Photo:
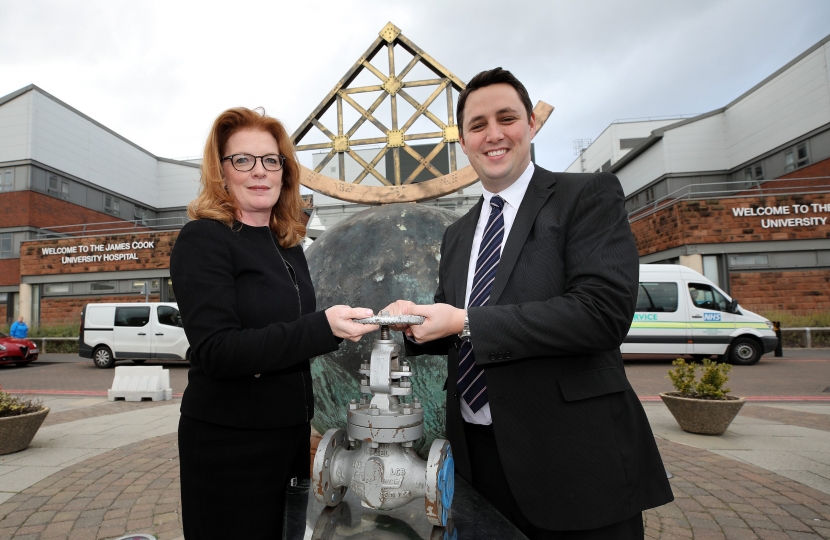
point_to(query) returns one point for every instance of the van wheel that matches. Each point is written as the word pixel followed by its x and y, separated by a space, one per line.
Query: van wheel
pixel 744 352
pixel 102 358
pixel 139 361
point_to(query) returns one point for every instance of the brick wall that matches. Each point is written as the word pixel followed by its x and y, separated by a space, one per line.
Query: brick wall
pixel 3 310
pixel 9 271
pixel 799 292
pixel 34 262
pixel 822 168
pixel 68 310
pixel 712 221
pixel 39 210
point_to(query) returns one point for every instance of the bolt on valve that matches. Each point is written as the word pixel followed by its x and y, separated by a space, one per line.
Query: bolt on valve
pixel 374 454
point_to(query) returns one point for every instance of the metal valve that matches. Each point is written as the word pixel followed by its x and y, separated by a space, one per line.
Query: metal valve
pixel 374 454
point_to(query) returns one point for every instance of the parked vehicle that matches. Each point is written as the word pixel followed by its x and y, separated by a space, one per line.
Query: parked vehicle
pixel 17 351
pixel 681 312
pixel 134 331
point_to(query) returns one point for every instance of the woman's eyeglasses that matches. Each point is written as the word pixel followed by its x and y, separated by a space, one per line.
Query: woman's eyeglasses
pixel 246 162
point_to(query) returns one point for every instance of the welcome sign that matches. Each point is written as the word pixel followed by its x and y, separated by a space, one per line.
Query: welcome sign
pixel 92 253
pixel 790 215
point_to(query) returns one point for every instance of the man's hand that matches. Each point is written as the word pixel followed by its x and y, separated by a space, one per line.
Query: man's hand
pixel 342 324
pixel 441 320
pixel 401 307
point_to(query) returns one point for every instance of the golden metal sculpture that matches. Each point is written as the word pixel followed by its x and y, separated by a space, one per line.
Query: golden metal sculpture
pixel 396 136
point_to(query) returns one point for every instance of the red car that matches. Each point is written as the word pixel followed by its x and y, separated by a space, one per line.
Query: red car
pixel 17 351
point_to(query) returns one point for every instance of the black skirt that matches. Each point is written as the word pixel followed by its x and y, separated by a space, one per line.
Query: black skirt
pixel 233 480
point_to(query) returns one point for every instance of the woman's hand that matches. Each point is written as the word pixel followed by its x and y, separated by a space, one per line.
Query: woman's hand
pixel 341 321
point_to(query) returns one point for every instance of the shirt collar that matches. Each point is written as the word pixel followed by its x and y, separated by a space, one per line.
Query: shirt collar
pixel 514 194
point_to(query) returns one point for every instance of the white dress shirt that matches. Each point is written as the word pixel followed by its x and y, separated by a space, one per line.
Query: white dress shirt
pixel 512 196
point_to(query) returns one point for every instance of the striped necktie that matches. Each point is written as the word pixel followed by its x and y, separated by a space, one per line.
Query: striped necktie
pixel 471 381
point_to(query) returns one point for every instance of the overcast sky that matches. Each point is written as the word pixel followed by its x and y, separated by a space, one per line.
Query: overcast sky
pixel 158 73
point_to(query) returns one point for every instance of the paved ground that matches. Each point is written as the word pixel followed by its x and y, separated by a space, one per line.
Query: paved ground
pixel 69 372
pixel 97 470
pixel 801 373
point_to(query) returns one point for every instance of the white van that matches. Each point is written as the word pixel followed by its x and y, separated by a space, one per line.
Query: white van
pixel 681 312
pixel 135 331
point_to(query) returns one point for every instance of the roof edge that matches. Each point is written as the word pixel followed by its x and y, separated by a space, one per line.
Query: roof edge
pixel 92 120
pixel 16 94
pixel 179 162
pixel 780 70
pixel 33 87
pixel 658 133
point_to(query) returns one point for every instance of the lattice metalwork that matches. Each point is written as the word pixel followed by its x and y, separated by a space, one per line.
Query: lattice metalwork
pixel 393 83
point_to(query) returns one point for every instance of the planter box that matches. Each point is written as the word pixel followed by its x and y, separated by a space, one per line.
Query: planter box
pixel 704 416
pixel 17 432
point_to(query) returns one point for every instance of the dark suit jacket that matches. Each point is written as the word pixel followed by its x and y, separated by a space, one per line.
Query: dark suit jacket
pixel 574 440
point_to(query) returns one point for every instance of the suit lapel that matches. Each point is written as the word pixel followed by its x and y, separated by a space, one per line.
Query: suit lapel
pixel 538 192
pixel 461 256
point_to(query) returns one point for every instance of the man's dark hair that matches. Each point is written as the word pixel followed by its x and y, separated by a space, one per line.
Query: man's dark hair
pixel 487 78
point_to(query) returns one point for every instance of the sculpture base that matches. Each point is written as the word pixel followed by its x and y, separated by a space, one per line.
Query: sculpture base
pixel 473 518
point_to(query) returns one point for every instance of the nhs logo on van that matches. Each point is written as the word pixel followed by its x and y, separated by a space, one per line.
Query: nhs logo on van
pixel 711 317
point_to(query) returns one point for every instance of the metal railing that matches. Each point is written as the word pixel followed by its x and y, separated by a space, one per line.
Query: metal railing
pixel 807 330
pixel 112 227
pixel 43 341
pixel 743 188
pixel 808 339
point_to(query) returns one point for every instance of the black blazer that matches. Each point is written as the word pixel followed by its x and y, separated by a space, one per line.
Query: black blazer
pixel 251 330
pixel 574 440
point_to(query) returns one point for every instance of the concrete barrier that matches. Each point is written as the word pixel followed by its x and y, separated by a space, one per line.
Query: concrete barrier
pixel 140 383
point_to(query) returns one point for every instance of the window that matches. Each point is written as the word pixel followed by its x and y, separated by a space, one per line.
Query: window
pixel 707 297
pixel 169 316
pixel 6 251
pixel 754 172
pixel 625 144
pixel 171 295
pixel 132 316
pixel 56 288
pixel 7 180
pixel 140 214
pixel 58 187
pixel 112 205
pixel 801 155
pixel 748 260
pixel 711 268
pixel 795 158
pixel 138 285
pixel 650 194
pixel 657 297
pixel 102 286
pixel 789 161
pixel 4 297
pixel 605 166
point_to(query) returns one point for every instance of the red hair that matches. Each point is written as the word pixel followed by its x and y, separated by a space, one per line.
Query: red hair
pixel 215 202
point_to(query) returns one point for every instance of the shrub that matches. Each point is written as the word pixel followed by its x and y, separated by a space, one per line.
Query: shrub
pixel 14 406
pixel 712 379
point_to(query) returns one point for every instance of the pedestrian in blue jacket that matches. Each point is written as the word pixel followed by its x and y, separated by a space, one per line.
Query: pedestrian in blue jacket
pixel 19 328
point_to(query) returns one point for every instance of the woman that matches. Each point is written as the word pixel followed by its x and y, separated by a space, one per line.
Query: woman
pixel 248 308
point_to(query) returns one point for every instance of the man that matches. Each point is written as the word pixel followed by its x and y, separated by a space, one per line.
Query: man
pixel 19 328
pixel 540 415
